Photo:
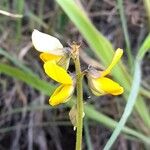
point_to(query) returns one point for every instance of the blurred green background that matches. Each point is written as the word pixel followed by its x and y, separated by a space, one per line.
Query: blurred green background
pixel 26 119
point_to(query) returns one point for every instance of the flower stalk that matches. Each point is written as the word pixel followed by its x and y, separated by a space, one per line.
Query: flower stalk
pixel 79 119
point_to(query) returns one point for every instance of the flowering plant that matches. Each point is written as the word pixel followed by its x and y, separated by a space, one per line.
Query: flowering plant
pixel 56 61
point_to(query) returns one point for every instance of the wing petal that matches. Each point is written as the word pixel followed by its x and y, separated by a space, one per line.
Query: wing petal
pixel 57 73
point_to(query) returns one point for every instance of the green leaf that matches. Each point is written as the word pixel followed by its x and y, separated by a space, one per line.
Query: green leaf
pixel 14 60
pixel 147 7
pixel 144 48
pixel 29 79
pixel 125 31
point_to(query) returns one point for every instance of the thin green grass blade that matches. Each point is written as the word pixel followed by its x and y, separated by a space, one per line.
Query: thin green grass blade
pixel 104 50
pixel 125 31
pixel 15 61
pixel 20 8
pixel 147 7
pixel 145 92
pixel 129 106
pixel 42 124
pixel 144 48
pixel 4 5
pixel 29 79
pixel 87 135
pixel 41 9
pixel 46 88
pixel 37 19
pixel 62 21
pixel 91 113
pixel 133 94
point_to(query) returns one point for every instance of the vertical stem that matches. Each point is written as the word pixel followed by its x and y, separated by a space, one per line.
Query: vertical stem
pixel 125 31
pixel 147 7
pixel 79 77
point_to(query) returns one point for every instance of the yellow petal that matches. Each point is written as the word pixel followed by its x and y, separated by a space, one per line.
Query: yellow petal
pixel 103 85
pixel 115 60
pixel 46 43
pixel 49 57
pixel 61 95
pixel 57 73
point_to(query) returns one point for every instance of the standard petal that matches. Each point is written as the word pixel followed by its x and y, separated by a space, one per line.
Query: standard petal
pixel 57 73
pixel 115 60
pixel 46 43
pixel 103 85
pixel 49 57
pixel 61 95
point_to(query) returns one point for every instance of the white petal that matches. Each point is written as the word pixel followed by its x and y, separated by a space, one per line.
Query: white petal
pixel 46 43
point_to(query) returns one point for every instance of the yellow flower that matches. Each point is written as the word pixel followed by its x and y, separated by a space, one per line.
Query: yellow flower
pixel 101 85
pixel 64 92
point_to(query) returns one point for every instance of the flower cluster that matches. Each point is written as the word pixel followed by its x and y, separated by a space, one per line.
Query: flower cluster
pixel 56 62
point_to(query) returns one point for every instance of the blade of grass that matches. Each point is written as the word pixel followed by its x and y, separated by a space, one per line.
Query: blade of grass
pixel 144 47
pixel 133 94
pixel 125 31
pixel 6 7
pixel 145 93
pixel 31 107
pixel 91 113
pixel 14 60
pixel 29 79
pixel 62 20
pixel 129 106
pixel 147 7
pixel 41 10
pixel 42 124
pixel 37 20
pixel 46 88
pixel 104 50
pixel 87 135
pixel 20 8
pixel 27 109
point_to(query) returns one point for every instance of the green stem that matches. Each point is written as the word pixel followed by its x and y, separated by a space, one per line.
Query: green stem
pixel 79 77
pixel 125 31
